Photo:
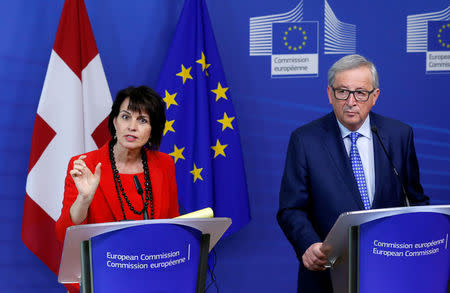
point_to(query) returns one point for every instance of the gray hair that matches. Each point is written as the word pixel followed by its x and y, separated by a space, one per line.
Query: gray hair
pixel 350 62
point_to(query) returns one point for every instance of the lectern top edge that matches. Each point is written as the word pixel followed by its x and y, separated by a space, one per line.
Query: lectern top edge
pixel 429 208
pixel 125 224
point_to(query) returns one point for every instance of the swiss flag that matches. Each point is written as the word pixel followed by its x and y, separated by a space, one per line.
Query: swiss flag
pixel 71 119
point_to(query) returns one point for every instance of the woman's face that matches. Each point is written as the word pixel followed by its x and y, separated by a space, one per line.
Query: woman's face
pixel 133 129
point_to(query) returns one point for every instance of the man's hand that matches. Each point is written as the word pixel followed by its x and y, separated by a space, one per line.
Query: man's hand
pixel 314 259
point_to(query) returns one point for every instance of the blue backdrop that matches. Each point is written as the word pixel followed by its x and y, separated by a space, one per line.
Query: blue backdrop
pixel 133 38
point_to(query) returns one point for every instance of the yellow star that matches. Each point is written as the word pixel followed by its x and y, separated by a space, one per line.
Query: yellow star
pixel 177 153
pixel 185 73
pixel 196 172
pixel 168 126
pixel 170 99
pixel 202 61
pixel 219 149
pixel 226 121
pixel 220 92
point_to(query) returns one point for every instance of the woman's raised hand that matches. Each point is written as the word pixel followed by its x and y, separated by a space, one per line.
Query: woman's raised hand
pixel 86 184
pixel 85 181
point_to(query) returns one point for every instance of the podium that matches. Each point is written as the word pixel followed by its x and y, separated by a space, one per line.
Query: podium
pixel 390 250
pixel 141 256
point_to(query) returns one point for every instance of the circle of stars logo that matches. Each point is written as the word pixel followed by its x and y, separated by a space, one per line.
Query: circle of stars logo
pixel 295 38
pixel 444 35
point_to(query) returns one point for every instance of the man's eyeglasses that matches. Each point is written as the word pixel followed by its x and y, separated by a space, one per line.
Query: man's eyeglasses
pixel 360 95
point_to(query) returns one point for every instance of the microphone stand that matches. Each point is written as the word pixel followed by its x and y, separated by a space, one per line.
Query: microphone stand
pixel 375 130
pixel 140 191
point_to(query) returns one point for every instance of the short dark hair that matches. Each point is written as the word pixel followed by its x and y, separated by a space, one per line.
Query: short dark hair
pixel 142 99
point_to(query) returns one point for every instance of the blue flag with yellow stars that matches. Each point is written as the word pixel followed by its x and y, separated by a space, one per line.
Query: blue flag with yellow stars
pixel 201 131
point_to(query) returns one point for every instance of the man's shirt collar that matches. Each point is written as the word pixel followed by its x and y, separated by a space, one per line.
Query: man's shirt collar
pixel 364 130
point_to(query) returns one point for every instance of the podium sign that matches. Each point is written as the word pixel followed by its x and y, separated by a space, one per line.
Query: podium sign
pixel 359 243
pixel 147 258
pixel 405 253
pixel 175 248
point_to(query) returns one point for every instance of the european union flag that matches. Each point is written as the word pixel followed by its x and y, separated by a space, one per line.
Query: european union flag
pixel 439 35
pixel 201 131
pixel 294 37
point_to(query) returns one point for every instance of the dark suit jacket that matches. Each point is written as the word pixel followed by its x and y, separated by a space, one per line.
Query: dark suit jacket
pixel 318 184
pixel 105 206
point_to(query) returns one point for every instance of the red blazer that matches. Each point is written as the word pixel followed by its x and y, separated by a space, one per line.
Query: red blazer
pixel 105 206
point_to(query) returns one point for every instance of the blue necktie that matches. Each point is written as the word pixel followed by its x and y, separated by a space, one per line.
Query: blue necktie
pixel 358 170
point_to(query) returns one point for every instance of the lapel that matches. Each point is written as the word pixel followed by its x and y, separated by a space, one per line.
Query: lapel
pixel 107 186
pixel 382 166
pixel 336 148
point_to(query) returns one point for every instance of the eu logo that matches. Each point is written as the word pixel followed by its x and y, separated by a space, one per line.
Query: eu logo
pixel 294 38
pixel 439 35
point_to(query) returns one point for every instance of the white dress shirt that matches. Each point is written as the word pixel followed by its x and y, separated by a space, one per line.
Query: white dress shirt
pixel 365 149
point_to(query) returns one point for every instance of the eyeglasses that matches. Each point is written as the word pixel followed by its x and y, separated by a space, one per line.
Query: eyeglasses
pixel 360 95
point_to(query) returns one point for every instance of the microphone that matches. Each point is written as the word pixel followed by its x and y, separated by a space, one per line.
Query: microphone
pixel 375 130
pixel 141 193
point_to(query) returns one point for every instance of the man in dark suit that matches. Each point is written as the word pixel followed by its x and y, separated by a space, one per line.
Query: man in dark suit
pixel 336 164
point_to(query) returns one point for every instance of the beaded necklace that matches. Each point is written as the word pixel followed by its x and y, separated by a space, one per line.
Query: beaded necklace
pixel 118 184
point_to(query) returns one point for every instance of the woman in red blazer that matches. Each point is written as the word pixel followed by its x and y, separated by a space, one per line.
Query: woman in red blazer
pixel 99 185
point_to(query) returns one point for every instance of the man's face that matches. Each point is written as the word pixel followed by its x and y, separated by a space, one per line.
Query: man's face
pixel 352 113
